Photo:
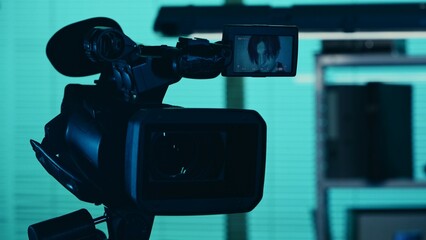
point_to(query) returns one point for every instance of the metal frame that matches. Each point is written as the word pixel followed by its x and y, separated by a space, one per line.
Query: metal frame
pixel 323 229
pixel 335 18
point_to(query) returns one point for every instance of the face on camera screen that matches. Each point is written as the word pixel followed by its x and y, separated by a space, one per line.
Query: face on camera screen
pixel 263 53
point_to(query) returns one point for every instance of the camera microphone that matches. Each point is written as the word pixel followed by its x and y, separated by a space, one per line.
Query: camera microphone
pixel 66 51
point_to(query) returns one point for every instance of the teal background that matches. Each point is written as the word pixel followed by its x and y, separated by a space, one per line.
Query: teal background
pixel 31 93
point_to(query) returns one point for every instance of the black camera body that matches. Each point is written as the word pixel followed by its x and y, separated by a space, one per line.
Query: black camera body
pixel 116 143
pixel 163 159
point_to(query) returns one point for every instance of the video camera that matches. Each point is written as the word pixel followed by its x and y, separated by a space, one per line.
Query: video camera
pixel 116 143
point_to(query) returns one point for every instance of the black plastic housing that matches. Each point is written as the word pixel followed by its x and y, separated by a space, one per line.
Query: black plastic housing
pixel 195 161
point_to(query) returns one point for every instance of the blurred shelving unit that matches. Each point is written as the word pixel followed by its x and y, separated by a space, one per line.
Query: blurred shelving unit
pixel 324 184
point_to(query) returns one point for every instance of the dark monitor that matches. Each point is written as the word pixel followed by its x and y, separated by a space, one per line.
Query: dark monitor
pixel 391 224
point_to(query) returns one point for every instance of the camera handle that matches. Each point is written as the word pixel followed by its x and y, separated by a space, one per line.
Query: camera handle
pixel 79 225
pixel 72 226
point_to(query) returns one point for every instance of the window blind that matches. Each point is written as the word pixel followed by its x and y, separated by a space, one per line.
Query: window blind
pixel 288 106
pixel 32 91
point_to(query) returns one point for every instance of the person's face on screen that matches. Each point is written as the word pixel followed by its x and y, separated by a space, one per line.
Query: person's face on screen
pixel 265 62
pixel 263 53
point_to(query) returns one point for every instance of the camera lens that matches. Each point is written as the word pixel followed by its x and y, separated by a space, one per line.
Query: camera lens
pixel 187 156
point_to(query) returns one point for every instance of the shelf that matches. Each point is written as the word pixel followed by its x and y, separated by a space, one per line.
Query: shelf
pixel 358 183
pixel 330 60
pixel 324 184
